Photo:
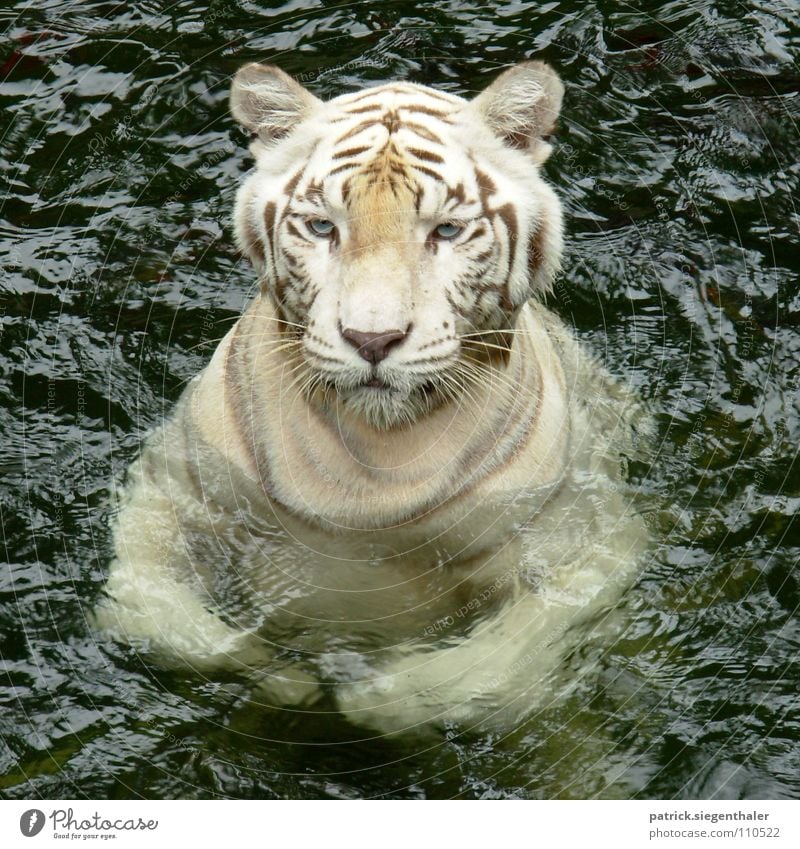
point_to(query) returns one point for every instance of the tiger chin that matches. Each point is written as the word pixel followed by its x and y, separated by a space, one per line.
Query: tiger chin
pixel 398 487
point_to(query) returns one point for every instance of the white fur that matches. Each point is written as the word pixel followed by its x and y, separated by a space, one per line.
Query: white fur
pixel 419 563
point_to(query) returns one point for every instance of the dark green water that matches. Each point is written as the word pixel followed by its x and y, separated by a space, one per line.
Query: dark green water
pixel 678 166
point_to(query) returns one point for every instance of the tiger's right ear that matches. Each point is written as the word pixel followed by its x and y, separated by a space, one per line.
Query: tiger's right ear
pixel 521 106
pixel 269 102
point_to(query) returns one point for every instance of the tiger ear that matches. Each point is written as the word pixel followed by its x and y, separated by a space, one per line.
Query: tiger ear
pixel 269 102
pixel 522 105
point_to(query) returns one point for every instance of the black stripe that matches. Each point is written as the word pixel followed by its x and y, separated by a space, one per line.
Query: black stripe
pixel 426 110
pixel 425 170
pixel 508 216
pixel 361 109
pixel 346 166
pixel 354 131
pixel 427 155
pixel 351 151
pixel 479 231
pixel 457 194
pixel 252 240
pixel 486 187
pixel 289 188
pixel 270 210
pixel 422 132
pixel 536 248
pixel 293 230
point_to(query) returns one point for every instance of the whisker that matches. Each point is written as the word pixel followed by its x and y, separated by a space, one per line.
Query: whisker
pixel 475 370
pixel 457 390
pixel 280 320
pixel 480 345
pixel 216 341
pixel 502 332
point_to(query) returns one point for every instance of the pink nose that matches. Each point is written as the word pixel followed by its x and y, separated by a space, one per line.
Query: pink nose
pixel 374 347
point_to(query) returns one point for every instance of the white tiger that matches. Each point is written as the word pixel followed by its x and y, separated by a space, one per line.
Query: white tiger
pixel 397 484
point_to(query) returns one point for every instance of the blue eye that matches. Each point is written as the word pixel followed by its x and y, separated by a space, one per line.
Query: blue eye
pixel 320 226
pixel 448 230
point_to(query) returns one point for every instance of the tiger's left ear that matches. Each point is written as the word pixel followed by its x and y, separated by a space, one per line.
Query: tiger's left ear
pixel 522 105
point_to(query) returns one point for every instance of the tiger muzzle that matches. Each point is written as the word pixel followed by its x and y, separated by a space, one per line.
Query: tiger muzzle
pixel 374 347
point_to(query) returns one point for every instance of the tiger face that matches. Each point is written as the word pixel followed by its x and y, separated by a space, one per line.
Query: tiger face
pixel 398 232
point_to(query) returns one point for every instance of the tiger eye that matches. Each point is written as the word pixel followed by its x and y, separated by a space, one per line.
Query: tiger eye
pixel 448 230
pixel 320 226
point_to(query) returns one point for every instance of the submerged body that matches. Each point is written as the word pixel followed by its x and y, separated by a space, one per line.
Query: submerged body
pixel 399 483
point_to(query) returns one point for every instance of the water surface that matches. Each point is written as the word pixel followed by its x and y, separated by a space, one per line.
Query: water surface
pixel 677 162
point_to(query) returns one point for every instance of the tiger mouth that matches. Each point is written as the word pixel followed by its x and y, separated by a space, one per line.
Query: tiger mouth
pixel 379 384
pixel 382 389
pixel 376 383
pixel 380 401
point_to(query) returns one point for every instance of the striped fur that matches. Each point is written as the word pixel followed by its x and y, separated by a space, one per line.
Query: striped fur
pixel 409 538
pixel 386 166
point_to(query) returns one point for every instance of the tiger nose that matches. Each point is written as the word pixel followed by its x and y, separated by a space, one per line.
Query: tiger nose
pixel 374 347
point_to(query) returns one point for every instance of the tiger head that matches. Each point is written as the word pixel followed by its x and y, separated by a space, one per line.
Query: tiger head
pixel 398 231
